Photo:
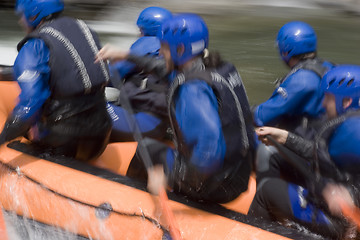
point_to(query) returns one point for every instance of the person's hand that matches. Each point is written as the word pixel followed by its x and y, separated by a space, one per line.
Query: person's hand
pixel 111 53
pixel 156 179
pixel 335 195
pixel 278 134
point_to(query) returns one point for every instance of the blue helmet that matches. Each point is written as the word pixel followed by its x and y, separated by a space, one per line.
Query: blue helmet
pixel 189 30
pixel 35 10
pixel 343 81
pixel 151 18
pixel 147 45
pixel 295 38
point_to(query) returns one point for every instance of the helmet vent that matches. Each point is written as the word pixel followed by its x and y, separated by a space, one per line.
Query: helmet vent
pixel 331 82
pixel 341 81
pixel 350 82
pixel 183 31
pixel 175 31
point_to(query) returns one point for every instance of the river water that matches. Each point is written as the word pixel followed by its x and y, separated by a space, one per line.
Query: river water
pixel 243 34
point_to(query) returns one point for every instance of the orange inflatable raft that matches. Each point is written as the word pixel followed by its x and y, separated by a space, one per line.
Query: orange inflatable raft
pixel 97 201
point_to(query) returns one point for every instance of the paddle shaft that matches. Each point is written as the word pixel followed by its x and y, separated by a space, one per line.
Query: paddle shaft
pixel 3 232
pixel 352 213
pixel 145 156
pixel 6 74
pixel 173 227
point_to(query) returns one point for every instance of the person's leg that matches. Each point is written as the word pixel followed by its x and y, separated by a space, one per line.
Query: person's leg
pixel 278 200
pixel 157 151
pixel 270 164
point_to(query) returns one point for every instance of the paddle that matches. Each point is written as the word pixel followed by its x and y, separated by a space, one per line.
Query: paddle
pixel 352 213
pixel 145 156
pixel 6 73
pixel 170 218
pixel 3 232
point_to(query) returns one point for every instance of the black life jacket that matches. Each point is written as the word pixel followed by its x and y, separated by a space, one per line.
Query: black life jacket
pixel 322 163
pixel 146 93
pixel 73 47
pixel 77 84
pixel 235 115
pixel 300 125
pixel 315 65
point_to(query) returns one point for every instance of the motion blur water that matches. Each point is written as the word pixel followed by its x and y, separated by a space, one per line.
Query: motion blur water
pixel 243 34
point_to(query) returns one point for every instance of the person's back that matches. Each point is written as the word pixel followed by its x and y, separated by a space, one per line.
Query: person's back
pixel 56 71
pixel 146 93
pixel 297 98
pixel 295 105
pixel 334 168
pixel 235 145
pixel 351 151
pixel 209 114
pixel 208 111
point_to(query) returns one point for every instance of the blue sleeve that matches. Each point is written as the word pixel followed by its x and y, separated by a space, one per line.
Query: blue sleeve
pixel 32 72
pixel 123 68
pixel 298 95
pixel 344 146
pixel 197 114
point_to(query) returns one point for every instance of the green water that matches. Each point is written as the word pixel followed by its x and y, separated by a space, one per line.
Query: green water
pixel 246 38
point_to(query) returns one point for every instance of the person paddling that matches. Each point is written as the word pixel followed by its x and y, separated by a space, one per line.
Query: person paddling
pixel 333 160
pixel 62 97
pixel 145 92
pixel 297 95
pixel 209 114
pixel 295 104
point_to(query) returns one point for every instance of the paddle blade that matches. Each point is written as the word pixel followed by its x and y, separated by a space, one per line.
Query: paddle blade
pixel 3 232
pixel 169 216
pixel 351 213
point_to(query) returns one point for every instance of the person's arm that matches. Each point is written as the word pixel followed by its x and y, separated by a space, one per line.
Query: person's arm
pixel 149 64
pixel 298 95
pixel 297 144
pixel 32 72
pixel 301 146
